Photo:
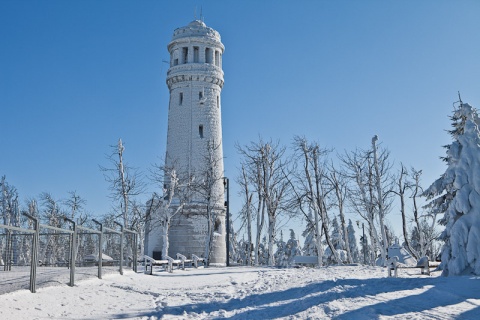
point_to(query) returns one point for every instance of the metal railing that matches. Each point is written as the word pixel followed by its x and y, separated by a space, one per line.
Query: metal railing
pixel 56 250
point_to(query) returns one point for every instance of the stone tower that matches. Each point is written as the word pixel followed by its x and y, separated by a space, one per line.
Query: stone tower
pixel 194 141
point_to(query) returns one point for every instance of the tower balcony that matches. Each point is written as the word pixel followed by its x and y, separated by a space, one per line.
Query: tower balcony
pixel 190 68
pixel 205 72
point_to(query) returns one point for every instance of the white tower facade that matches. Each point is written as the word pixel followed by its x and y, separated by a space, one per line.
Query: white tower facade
pixel 194 141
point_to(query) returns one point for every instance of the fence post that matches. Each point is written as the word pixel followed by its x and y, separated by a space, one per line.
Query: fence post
pixel 135 243
pixel 73 252
pixel 134 248
pixel 34 260
pixel 121 246
pixel 100 251
pixel 8 255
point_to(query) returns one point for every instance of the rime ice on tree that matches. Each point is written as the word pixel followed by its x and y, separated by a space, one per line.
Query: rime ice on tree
pixel 457 194
pixel 194 141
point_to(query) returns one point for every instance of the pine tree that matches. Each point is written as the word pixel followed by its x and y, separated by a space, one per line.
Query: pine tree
pixel 337 235
pixel 456 194
pixel 352 242
pixel 280 254
pixel 309 246
pixel 292 248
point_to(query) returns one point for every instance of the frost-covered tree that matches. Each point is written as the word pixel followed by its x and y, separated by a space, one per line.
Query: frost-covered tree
pixel 352 242
pixel 267 167
pixel 10 215
pixel 247 209
pixel 9 203
pixel 281 258
pixel 161 209
pixel 310 190
pixel 456 194
pixel 370 192
pixel 337 235
pixel 309 245
pixel 340 185
pixel 125 182
pixel 292 248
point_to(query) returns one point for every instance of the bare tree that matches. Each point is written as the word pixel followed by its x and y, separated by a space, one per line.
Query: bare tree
pixel 422 232
pixel 402 186
pixel 9 203
pixel 245 192
pixel 208 187
pixel 76 205
pixel 340 186
pixel 125 182
pixel 162 208
pixel 358 169
pixel 378 177
pixel 266 168
pixel 310 191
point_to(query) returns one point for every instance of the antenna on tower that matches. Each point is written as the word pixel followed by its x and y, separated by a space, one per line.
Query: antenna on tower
pixel 201 13
pixel 195 13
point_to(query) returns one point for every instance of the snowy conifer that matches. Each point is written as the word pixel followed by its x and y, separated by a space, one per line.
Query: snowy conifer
pixel 337 235
pixel 352 242
pixel 280 255
pixel 309 246
pixel 457 194
pixel 292 248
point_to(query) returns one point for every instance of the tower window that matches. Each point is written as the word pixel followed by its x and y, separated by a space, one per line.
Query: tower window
pixel 217 58
pixel 208 55
pixel 180 99
pixel 185 54
pixel 218 102
pixel 200 130
pixel 175 62
pixel 195 54
pixel 200 95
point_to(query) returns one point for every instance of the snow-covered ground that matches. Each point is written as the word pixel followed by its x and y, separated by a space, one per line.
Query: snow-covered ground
pixel 341 292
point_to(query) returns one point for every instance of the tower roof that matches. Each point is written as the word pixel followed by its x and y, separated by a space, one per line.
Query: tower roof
pixel 197 23
pixel 196 28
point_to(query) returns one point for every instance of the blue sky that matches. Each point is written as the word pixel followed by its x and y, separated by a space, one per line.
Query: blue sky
pixel 77 75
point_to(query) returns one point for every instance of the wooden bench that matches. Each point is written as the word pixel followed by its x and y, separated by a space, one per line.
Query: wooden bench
pixel 196 260
pixel 298 260
pixel 149 261
pixel 169 262
pixel 423 264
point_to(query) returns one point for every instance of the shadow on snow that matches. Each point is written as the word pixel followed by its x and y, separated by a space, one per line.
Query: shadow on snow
pixel 295 300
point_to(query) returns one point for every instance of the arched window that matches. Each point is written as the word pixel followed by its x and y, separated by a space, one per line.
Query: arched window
pixel 195 54
pixel 208 55
pixel 185 55
pixel 217 58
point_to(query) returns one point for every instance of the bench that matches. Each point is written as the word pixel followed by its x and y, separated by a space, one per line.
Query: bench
pixel 169 262
pixel 423 264
pixel 196 260
pixel 313 260
pixel 152 262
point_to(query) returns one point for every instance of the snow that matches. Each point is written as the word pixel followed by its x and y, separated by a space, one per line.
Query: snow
pixel 341 292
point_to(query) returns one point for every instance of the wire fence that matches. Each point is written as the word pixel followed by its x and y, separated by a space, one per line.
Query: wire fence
pixel 43 255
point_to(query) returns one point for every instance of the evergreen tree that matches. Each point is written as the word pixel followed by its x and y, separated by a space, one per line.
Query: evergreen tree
pixel 292 248
pixel 337 235
pixel 280 256
pixel 456 194
pixel 309 246
pixel 352 242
